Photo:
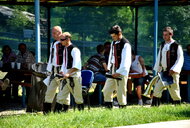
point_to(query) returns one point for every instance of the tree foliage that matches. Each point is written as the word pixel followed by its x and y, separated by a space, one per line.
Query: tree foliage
pixel 91 23
pixel 176 17
pixel 19 21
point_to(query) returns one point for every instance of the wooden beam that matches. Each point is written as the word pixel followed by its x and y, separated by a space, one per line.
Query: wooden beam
pixel 96 2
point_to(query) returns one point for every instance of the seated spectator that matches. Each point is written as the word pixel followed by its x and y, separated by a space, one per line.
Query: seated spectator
pixel 26 58
pixel 138 67
pixel 97 64
pixel 186 64
pixel 8 57
pixel 183 77
pixel 107 46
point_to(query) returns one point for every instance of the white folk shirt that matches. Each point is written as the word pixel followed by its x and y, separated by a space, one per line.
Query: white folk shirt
pixel 54 60
pixel 178 64
pixel 137 66
pixel 75 53
pixel 125 59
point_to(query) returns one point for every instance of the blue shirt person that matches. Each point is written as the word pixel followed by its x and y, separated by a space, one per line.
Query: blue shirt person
pixel 186 64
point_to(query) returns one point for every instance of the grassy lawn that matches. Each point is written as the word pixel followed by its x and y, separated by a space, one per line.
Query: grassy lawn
pixel 98 117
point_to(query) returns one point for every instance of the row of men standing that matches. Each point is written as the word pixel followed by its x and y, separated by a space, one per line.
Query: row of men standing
pixel 170 61
pixel 65 58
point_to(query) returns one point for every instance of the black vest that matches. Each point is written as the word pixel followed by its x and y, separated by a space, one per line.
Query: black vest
pixel 59 49
pixel 60 54
pixel 172 54
pixel 70 58
pixel 119 48
pixel 52 51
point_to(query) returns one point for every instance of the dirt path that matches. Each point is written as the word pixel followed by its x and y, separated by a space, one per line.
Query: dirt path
pixel 7 109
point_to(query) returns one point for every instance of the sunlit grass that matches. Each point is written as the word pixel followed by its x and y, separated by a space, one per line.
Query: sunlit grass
pixel 99 117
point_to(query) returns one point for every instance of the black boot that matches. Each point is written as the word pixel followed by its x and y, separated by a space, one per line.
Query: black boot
pixel 58 107
pixel 177 102
pixel 65 108
pixel 155 102
pixel 80 107
pixel 109 105
pixel 46 108
pixel 122 106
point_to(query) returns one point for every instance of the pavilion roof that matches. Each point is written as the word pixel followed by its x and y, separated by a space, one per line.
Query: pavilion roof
pixel 95 2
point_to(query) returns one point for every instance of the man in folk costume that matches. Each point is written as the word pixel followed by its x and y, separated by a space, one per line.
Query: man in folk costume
pixel 119 65
pixel 54 66
pixel 71 71
pixel 169 60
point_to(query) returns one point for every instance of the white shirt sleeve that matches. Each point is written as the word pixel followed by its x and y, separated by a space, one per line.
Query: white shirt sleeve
pixel 157 66
pixel 49 66
pixel 75 53
pixel 110 56
pixel 53 63
pixel 179 62
pixel 125 60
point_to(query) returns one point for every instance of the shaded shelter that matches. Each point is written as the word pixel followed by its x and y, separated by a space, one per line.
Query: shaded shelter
pixel 54 3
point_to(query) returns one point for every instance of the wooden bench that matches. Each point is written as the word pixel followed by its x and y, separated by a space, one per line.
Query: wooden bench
pixel 23 84
pixel 100 87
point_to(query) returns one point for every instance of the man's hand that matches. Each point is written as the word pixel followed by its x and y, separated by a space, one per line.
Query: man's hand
pixel 171 72
pixel 144 74
pixel 116 75
pixel 61 73
pixel 66 75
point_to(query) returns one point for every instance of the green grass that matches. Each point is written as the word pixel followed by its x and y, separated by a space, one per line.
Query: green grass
pixel 99 117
